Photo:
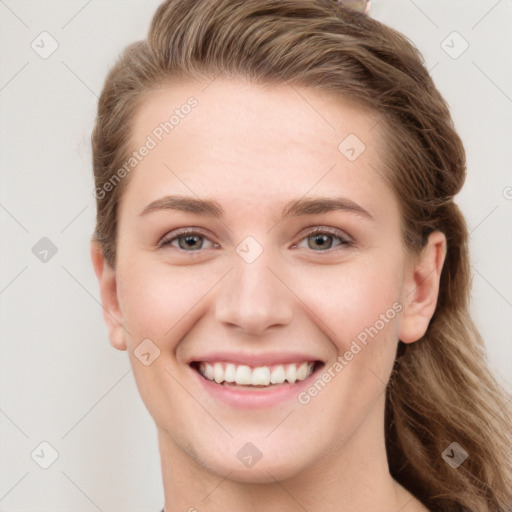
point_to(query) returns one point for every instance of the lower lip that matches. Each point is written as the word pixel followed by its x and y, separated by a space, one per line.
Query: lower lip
pixel 247 398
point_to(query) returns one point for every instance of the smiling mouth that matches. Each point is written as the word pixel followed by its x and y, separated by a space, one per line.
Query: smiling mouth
pixel 264 376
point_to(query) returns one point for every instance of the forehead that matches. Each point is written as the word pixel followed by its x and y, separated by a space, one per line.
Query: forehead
pixel 264 143
pixel 229 110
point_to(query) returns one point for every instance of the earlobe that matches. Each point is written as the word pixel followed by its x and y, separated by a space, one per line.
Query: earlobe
pixel 108 292
pixel 421 289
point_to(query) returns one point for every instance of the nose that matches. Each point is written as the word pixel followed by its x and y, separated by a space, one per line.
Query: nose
pixel 254 297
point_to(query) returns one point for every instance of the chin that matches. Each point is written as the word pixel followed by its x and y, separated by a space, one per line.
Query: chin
pixel 244 464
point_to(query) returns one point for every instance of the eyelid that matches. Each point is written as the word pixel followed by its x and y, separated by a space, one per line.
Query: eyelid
pixel 327 229
pixel 312 230
pixel 346 239
pixel 172 235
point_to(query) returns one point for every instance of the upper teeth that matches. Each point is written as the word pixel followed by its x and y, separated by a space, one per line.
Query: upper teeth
pixel 260 376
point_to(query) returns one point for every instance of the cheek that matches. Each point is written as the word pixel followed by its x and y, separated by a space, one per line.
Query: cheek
pixel 161 303
pixel 357 308
pixel 358 300
pixel 156 298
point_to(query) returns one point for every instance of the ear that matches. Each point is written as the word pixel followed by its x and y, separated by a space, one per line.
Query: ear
pixel 421 289
pixel 108 291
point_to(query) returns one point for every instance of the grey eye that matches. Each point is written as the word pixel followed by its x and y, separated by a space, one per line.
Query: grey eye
pixel 321 240
pixel 190 242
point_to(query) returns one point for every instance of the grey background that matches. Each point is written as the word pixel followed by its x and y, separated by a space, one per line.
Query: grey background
pixel 60 380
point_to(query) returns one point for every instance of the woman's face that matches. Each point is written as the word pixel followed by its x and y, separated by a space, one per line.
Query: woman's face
pixel 293 255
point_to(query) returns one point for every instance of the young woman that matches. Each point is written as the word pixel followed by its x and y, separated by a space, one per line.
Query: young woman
pixel 278 249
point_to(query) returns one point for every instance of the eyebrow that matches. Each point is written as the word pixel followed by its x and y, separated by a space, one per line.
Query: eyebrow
pixel 295 208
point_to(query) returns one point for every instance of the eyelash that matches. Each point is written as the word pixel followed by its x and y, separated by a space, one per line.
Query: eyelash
pixel 345 240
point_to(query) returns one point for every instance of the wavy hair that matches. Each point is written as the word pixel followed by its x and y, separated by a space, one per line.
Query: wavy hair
pixel 441 389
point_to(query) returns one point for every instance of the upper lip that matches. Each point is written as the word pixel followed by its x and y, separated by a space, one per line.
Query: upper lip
pixel 255 359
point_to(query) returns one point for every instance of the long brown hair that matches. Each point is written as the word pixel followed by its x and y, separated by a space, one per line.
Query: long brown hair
pixel 441 390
